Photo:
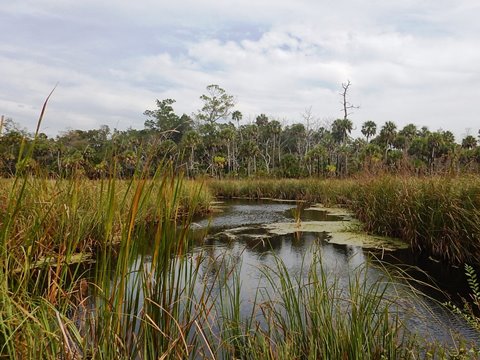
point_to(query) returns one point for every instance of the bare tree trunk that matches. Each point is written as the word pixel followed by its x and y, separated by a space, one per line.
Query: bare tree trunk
pixel 346 105
pixel 228 158
pixel 273 153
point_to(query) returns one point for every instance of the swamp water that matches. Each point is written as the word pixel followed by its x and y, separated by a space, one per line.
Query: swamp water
pixel 244 240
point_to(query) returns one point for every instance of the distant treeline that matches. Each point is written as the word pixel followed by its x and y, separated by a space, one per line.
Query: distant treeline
pixel 212 141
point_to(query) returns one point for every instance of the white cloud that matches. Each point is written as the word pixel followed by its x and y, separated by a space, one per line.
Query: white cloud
pixel 408 61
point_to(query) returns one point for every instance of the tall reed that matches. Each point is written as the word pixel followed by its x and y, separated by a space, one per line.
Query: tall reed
pixel 54 304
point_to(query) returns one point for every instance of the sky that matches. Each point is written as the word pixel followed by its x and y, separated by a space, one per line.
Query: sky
pixel 408 61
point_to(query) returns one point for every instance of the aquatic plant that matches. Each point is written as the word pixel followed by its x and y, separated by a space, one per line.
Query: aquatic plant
pixel 471 307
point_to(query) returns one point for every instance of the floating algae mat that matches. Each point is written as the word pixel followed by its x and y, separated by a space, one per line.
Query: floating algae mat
pixel 343 231
pixel 333 211
pixel 339 232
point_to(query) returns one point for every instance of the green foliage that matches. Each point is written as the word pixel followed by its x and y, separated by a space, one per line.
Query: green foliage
pixel 165 122
pixel 217 104
pixel 290 166
pixel 369 129
pixel 264 147
pixel 470 306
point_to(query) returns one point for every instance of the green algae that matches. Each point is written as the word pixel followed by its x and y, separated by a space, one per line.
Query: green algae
pixel 340 232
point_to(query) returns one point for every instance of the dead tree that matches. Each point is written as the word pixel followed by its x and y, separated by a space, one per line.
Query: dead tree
pixel 346 105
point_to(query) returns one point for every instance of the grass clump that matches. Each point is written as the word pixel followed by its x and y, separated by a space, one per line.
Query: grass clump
pixel 329 192
pixel 53 306
pixel 313 315
pixel 438 216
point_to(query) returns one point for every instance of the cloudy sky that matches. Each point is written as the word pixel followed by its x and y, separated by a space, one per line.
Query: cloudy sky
pixel 408 60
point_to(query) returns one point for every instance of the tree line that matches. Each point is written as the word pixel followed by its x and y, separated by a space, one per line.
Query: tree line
pixel 212 141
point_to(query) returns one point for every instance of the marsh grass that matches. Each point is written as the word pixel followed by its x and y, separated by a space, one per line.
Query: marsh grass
pixel 144 305
pixel 55 305
pixel 317 317
pixel 328 192
pixel 46 224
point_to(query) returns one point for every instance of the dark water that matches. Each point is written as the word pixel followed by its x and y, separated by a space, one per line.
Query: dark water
pixel 237 233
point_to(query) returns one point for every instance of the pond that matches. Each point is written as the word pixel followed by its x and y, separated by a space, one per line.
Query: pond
pixel 248 238
pixel 257 233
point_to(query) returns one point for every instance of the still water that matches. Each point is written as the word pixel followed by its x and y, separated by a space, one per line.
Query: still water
pixel 247 237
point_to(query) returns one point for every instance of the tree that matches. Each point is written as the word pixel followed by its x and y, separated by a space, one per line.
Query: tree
pixel 164 121
pixel 341 128
pixel 394 158
pixel 469 142
pixel 265 140
pixel 409 131
pixel 249 146
pixel 290 166
pixel 237 116
pixel 435 141
pixel 191 139
pixel 228 134
pixel 11 141
pixel 308 118
pixel 315 159
pixel 217 104
pixel 346 104
pixel 371 155
pixel 261 120
pixel 369 129
pixel 388 133
pixel 275 128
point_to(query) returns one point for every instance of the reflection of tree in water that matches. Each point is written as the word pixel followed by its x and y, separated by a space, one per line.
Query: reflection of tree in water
pixel 264 245
pixel 298 240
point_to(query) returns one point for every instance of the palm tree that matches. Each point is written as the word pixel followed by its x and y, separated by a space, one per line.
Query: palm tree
pixel 369 129
pixel 434 144
pixel 237 116
pixel 341 128
pixel 469 142
pixel 408 132
pixel 227 134
pixel 191 139
pixel 275 129
pixel 388 133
